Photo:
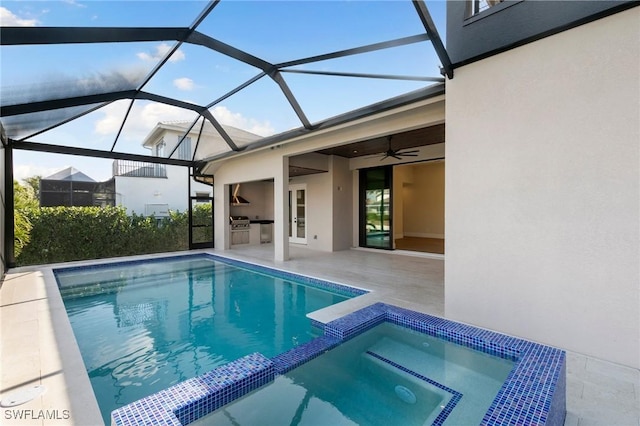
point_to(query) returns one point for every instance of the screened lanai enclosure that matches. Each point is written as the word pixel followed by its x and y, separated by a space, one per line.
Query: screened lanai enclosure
pixel 93 79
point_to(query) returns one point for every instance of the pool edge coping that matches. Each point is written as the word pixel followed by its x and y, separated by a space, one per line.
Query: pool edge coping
pixel 69 395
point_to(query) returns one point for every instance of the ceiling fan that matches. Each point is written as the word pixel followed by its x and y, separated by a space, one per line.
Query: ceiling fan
pixel 398 153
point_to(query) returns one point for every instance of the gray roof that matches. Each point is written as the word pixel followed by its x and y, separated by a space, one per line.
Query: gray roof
pixel 70 174
pixel 240 136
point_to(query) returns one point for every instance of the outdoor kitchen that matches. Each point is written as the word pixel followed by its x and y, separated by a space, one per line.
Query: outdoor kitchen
pixel 251 213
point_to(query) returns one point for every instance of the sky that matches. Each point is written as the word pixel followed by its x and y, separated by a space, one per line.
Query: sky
pixel 276 31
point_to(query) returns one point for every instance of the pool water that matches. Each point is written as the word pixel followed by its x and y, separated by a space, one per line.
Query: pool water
pixel 387 375
pixel 145 327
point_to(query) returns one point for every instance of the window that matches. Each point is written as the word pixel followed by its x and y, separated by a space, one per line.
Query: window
pixel 159 150
pixel 184 149
pixel 478 6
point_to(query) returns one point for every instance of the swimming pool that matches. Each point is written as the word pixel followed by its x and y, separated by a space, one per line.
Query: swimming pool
pixel 534 391
pixel 146 325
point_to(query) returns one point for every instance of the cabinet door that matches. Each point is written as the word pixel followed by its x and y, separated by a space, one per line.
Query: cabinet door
pixel 239 237
pixel 235 238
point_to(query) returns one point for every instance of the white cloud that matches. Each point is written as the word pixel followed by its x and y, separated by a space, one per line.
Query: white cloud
pixel 23 171
pixel 235 119
pixel 151 114
pixel 184 83
pixel 142 118
pixel 112 119
pixel 159 53
pixel 9 19
pixel 75 3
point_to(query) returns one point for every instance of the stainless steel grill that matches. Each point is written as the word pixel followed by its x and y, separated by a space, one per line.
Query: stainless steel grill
pixel 239 222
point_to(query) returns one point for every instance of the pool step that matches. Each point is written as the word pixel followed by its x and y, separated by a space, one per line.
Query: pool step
pixel 404 388
pixel 103 281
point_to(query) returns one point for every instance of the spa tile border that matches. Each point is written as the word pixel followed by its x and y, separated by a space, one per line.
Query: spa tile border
pixel 192 399
pixel 533 393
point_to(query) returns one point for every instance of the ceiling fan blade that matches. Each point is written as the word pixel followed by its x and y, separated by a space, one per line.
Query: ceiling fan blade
pixel 396 157
pixel 408 155
pixel 414 151
pixel 383 157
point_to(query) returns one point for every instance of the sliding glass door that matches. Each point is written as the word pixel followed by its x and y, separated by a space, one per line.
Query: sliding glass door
pixel 375 208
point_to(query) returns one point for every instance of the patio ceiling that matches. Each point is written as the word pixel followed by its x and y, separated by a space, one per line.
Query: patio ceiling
pixel 276 69
pixel 411 139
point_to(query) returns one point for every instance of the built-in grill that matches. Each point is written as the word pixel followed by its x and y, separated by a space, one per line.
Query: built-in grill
pixel 239 223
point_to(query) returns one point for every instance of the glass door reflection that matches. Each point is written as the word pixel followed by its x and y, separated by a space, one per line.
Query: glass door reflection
pixel 375 208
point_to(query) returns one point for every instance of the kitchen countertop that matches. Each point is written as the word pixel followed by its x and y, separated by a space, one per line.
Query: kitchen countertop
pixel 261 221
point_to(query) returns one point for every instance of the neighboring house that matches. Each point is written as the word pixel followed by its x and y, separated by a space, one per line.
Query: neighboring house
pixel 536 195
pixel 143 188
pixel 70 187
pixel 155 189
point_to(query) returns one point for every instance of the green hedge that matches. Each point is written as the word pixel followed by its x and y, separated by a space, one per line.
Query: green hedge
pixel 61 234
pixel 24 200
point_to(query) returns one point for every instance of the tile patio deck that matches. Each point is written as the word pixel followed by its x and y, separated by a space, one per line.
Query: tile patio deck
pixel 38 347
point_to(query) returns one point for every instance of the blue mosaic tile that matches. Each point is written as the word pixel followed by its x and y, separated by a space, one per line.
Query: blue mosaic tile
pixel 192 399
pixel 483 340
pixel 317 324
pixel 355 323
pixel 299 355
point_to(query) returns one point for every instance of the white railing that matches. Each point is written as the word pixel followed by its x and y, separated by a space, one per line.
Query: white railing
pixel 138 169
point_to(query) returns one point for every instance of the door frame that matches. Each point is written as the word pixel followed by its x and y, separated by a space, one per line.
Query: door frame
pixel 362 214
pixel 198 199
pixel 293 217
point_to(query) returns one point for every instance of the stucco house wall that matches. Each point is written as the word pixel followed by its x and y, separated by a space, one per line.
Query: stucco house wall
pixel 135 193
pixel 343 195
pixel 543 190
pixel 142 195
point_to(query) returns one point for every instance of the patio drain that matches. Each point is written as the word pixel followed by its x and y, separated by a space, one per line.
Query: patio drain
pixel 22 396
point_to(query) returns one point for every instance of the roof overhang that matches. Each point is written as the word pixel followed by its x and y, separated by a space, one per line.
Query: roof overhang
pixel 356 117
pixel 419 113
